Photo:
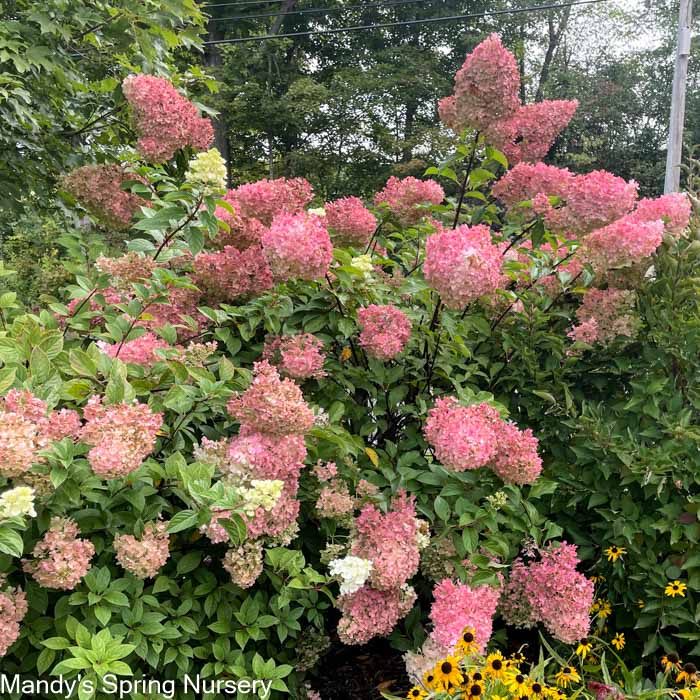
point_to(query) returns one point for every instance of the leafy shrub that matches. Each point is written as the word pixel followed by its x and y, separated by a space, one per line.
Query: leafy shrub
pixel 235 427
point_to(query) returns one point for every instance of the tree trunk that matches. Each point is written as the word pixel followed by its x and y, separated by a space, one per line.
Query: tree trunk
pixel 212 57
pixel 555 35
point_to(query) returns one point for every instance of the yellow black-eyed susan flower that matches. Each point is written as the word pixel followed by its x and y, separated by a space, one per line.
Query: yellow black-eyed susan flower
pixel 429 680
pixel 674 588
pixel 603 608
pixel 517 684
pixel 584 648
pixel 447 673
pixel 537 689
pixel 671 662
pixel 618 641
pixel 495 666
pixel 688 674
pixel 474 689
pixel 467 644
pixel 566 676
pixel 614 553
pixel 416 693
pixel 597 579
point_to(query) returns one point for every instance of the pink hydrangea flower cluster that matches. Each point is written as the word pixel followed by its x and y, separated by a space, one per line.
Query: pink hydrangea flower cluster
pixel 673 209
pixel 13 608
pixel 230 273
pixel 128 268
pixel 593 200
pixel 526 180
pixel 26 428
pixel 244 563
pixel 462 437
pixel 215 531
pixel 62 424
pixel 254 455
pixel 60 559
pixel 98 188
pixel 271 404
pixel 182 304
pixel 406 197
pixel 296 356
pixel 325 471
pixel 390 541
pixel 531 132
pixel 624 242
pixel 463 264
pixel 605 314
pixel 298 246
pixel 121 436
pixel 255 206
pixel 264 200
pixel 487 88
pixel 350 223
pixel 384 330
pixel 458 606
pixel 469 437
pixel 139 351
pixel 335 500
pixel 486 98
pixel 587 202
pixel 144 557
pixel 550 590
pixel 164 120
pixel 369 612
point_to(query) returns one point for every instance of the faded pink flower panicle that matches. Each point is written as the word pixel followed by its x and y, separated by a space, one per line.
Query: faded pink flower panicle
pixel 463 264
pixel 458 606
pixel 405 198
pixel 390 541
pixel 98 188
pixel 144 557
pixel 487 88
pixel 60 559
pixel 297 246
pixel 369 613
pixel 296 356
pixel 384 330
pixel 13 608
pixel 550 590
pixel 121 435
pixel 271 404
pixel 350 223
pixel 164 120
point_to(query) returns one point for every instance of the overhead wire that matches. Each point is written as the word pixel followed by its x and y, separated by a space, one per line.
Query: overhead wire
pixel 322 10
pixel 384 25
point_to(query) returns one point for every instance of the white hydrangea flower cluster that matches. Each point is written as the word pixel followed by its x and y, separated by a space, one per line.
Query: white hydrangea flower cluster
pixel 262 493
pixel 352 572
pixel 207 172
pixel 17 501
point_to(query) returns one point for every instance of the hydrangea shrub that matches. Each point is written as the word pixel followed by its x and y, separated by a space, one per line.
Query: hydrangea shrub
pixel 273 419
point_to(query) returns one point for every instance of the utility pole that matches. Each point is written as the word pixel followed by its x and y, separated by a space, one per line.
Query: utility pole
pixel 680 76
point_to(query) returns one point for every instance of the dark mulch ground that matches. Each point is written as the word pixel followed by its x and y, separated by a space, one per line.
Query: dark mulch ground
pixel 360 673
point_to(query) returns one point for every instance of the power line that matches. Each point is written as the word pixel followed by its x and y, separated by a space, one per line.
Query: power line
pixel 325 10
pixel 239 4
pixel 383 25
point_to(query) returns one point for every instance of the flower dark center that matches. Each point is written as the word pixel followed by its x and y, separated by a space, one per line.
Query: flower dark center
pixel 468 637
pixel 496 664
pixel 446 667
pixel 475 690
pixel 519 679
pixel 673 657
pixel 477 676
pixel 536 688
pixel 566 670
pixel 690 668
